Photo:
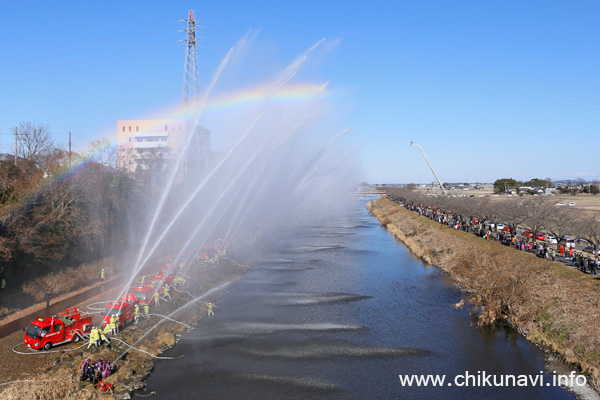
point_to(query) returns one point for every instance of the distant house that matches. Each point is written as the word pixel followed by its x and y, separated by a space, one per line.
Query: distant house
pixel 4 157
pixel 511 190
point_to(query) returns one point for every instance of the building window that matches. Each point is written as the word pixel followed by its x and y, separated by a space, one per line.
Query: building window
pixel 129 129
pixel 166 127
pixel 123 129
pixel 129 140
pixel 137 128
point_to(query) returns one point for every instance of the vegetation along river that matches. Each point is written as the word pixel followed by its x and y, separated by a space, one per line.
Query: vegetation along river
pixel 339 311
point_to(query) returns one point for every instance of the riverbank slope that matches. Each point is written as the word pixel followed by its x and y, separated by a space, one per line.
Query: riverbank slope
pixel 55 374
pixel 552 304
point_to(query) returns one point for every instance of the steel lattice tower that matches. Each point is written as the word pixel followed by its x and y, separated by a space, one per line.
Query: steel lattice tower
pixel 199 143
pixel 191 89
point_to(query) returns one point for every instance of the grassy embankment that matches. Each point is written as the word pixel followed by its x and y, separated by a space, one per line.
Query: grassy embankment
pixel 58 382
pixel 552 304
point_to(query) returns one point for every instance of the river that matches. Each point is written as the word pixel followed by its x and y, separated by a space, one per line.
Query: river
pixel 339 311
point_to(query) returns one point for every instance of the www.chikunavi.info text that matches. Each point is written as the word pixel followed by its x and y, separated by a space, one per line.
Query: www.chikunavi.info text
pixel 483 379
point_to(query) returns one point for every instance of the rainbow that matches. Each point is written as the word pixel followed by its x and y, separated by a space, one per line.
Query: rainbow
pixel 242 99
pixel 247 98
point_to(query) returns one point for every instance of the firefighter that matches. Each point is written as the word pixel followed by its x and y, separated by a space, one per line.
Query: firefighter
pixel 210 310
pixel 156 298
pixel 97 336
pixel 89 373
pixel 146 310
pixel 113 329
pixel 48 297
pixel 137 313
pixel 102 274
pixel 93 338
pixel 143 279
pixel 107 328
pixel 216 258
pixel 102 337
pixel 106 369
pixel 3 284
pixel 117 323
pixel 166 292
pixel 84 366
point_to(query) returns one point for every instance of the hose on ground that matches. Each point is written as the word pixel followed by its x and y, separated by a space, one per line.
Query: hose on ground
pixel 236 263
pixel 39 352
pixel 143 351
pixel 171 319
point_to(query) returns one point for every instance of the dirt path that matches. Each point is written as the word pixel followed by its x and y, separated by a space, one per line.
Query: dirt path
pixel 16 366
pixel 42 375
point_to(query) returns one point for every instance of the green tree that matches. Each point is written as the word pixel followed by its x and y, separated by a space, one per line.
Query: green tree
pixel 538 182
pixel 501 184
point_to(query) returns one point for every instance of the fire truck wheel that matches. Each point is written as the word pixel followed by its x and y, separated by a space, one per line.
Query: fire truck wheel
pixel 76 338
pixel 47 346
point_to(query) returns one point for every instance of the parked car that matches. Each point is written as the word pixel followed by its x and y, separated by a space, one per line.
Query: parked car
pixel 527 233
pixel 550 239
pixel 562 203
pixel 589 249
pixel 569 242
pixel 540 236
pixel 506 228
pixel 571 204
pixel 499 226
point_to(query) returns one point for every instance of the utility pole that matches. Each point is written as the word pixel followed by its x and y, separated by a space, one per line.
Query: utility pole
pixel 16 133
pixel 431 167
pixel 69 148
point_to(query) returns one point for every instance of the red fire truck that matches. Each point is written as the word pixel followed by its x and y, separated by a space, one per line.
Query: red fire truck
pixel 144 293
pixel 124 308
pixel 68 326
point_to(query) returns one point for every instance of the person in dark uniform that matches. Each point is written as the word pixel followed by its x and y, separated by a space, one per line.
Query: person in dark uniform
pixel 48 297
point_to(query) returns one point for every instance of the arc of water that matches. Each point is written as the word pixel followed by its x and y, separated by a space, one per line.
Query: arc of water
pixel 256 177
pixel 285 77
pixel 173 174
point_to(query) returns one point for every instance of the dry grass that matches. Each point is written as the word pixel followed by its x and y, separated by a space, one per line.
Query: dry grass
pixel 68 279
pixel 555 304
pixel 45 388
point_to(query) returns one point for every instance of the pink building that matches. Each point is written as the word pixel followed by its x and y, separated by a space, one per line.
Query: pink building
pixel 144 143
pixel 148 139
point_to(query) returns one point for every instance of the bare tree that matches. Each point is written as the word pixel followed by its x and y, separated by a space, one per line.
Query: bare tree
pixel 511 213
pixel 589 227
pixel 537 211
pixel 53 161
pixel 103 152
pixel 34 141
pixel 560 222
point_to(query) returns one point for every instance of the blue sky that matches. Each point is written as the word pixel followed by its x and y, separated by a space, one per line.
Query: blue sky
pixel 488 89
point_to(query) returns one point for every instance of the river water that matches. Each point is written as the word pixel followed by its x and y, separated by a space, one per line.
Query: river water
pixel 338 312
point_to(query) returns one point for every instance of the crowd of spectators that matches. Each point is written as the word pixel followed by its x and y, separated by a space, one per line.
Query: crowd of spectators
pixel 508 236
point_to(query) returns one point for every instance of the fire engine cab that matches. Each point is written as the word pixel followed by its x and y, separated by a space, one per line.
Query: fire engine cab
pixel 68 326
